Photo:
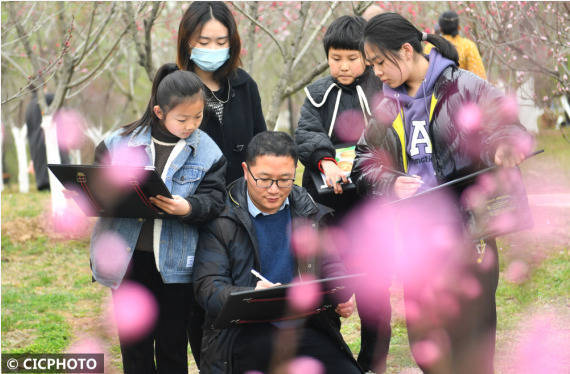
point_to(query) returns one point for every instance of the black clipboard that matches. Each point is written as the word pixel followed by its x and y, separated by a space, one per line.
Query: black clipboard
pixel 318 178
pixel 484 222
pixel 97 196
pixel 270 304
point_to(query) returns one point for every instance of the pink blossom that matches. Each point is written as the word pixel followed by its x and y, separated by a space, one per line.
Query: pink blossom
pixel 127 161
pixel 111 255
pixel 135 311
pixel 426 352
pixel 86 345
pixel 469 117
pixel 69 219
pixel 304 295
pixel 543 348
pixel 349 126
pixel 305 365
pixel 304 240
pixel 70 128
pixel 517 271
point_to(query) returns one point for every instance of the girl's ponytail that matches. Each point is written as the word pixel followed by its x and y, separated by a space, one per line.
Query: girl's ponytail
pixel 445 48
pixel 389 31
pixel 170 87
pixel 148 116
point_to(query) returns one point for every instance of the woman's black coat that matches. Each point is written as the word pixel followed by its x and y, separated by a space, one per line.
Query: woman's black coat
pixel 242 119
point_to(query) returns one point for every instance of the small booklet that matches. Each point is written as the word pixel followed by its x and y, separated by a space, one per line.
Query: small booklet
pixel 99 195
pixel 271 304
pixel 345 159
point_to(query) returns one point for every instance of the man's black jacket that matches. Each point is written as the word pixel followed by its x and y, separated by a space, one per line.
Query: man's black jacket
pixel 227 251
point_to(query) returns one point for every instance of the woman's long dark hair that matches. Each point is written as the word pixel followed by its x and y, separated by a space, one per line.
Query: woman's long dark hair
pixel 389 31
pixel 197 14
pixel 170 87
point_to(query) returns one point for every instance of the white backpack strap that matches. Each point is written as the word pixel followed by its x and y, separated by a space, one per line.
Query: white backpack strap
pixel 363 104
pixel 318 105
pixel 335 111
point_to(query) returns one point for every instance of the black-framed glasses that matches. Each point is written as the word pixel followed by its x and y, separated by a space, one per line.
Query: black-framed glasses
pixel 268 182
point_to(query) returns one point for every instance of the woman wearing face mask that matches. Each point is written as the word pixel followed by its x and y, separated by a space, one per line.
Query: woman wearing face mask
pixel 209 45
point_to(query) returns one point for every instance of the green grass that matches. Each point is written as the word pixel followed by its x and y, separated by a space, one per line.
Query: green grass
pixel 49 301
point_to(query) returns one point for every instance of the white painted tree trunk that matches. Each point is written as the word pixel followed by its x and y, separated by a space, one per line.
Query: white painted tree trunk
pixel 75 156
pixel 58 201
pixel 20 141
pixel 96 134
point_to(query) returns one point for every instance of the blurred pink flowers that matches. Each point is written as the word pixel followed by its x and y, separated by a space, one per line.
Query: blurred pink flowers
pixel 135 311
pixel 71 128
pixel 304 296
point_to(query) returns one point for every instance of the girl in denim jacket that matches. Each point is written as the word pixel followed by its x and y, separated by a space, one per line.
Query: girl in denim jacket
pixel 160 252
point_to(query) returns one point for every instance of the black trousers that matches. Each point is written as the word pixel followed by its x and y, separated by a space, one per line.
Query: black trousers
pixel 375 331
pixel 470 337
pixel 195 330
pixel 255 346
pixel 164 349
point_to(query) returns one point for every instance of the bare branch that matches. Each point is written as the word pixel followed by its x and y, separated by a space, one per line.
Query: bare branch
pixel 98 33
pixel 309 42
pixel 101 62
pixel 290 90
pixel 265 30
pixel 16 65
pixel 90 27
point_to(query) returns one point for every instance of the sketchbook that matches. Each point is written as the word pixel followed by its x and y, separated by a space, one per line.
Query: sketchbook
pixel 271 304
pixel 97 195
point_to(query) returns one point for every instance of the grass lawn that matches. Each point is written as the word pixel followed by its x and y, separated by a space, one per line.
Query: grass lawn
pixel 49 301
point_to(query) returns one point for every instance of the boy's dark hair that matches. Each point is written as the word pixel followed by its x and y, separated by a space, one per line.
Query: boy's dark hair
pixel 389 31
pixel 169 88
pixel 449 23
pixel 271 143
pixel 345 32
pixel 197 14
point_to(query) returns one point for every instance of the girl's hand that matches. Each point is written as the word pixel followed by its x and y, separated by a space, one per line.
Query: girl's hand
pixel 508 156
pixel 406 186
pixel 263 284
pixel 345 309
pixel 178 206
pixel 334 175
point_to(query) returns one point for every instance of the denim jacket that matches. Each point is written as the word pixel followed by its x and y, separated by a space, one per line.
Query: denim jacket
pixel 174 241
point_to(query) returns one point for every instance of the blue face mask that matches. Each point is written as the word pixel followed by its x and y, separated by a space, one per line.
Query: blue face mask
pixel 210 59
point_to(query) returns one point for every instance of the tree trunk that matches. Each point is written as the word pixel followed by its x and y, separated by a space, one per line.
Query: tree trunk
pixel 20 140
pixel 58 201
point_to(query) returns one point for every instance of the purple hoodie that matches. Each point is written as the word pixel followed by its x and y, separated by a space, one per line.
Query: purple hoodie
pixel 416 120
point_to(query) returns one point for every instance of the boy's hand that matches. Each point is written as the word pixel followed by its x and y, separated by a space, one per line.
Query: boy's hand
pixel 345 309
pixel 178 206
pixel 334 175
pixel 406 186
pixel 508 156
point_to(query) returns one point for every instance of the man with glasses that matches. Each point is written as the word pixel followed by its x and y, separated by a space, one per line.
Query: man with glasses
pixel 254 232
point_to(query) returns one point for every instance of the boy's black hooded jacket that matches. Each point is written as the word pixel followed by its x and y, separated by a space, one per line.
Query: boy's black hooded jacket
pixel 347 113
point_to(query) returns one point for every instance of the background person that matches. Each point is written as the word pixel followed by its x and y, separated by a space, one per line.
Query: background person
pixel 469 57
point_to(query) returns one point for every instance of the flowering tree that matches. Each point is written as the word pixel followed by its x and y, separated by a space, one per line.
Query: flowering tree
pixel 68 45
pixel 283 39
pixel 522 39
